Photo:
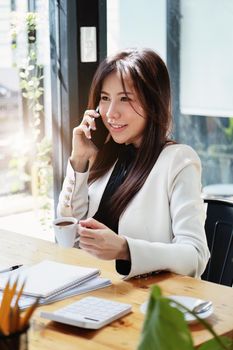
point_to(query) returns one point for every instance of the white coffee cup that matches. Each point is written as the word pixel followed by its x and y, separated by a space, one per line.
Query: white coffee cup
pixel 65 229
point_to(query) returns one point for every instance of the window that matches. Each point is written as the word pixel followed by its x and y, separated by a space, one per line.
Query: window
pixel 202 80
pixel 25 114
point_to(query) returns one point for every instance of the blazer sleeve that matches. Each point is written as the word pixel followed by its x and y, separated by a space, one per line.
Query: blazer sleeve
pixel 187 253
pixel 73 199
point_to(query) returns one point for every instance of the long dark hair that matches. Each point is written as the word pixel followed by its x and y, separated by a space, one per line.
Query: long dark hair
pixel 150 79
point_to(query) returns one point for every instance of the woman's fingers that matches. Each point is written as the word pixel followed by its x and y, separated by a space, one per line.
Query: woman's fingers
pixel 90 234
pixel 87 124
pixel 86 130
pixel 91 237
pixel 87 244
pixel 98 240
pixel 90 242
pixel 89 119
pixel 84 244
pixel 91 223
pixel 91 112
pixel 82 129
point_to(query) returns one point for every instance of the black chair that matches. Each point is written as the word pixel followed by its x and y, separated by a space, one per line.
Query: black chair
pixel 219 233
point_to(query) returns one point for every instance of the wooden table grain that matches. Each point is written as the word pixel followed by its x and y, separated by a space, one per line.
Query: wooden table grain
pixel 122 334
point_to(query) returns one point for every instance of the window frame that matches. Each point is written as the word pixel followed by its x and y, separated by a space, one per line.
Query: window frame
pixel 70 78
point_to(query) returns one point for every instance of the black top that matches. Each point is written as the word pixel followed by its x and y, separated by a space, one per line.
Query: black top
pixel 123 165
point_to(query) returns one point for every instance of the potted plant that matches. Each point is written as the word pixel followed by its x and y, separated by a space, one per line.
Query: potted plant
pixel 165 327
pixel 37 166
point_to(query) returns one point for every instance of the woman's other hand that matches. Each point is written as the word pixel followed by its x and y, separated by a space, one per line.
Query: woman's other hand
pixel 83 148
pixel 98 240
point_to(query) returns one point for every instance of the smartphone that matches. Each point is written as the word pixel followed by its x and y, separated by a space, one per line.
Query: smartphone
pixel 98 136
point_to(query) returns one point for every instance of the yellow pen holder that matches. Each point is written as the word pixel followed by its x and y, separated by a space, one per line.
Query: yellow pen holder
pixel 15 341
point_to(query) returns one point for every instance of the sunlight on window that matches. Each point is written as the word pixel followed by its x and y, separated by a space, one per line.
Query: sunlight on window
pixel 26 196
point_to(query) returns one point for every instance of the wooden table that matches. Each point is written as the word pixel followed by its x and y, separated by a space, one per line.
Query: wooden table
pixel 121 334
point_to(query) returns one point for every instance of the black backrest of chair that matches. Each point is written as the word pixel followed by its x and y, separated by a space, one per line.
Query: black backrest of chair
pixel 219 233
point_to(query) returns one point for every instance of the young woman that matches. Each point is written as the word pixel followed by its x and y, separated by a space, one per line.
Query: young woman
pixel 137 198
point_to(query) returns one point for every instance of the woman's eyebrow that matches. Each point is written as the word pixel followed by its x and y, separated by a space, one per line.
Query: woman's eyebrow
pixel 119 93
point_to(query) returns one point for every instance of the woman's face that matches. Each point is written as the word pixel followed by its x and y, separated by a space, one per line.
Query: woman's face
pixel 123 122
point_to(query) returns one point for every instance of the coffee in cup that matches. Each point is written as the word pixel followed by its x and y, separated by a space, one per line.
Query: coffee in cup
pixel 65 229
pixel 64 223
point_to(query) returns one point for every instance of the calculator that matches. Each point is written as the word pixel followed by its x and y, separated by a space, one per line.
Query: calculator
pixel 89 312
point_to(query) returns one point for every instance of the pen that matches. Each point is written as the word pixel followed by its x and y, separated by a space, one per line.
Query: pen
pixel 11 268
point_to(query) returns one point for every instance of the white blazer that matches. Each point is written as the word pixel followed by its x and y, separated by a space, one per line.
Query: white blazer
pixel 164 222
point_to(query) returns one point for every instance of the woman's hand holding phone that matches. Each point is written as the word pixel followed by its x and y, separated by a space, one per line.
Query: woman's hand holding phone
pixel 83 147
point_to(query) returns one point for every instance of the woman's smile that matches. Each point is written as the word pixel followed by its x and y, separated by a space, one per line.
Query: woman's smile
pixel 117 127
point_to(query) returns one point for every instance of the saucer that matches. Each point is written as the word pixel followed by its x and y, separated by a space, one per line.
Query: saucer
pixel 189 302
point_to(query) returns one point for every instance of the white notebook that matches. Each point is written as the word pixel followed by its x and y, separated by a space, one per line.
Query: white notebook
pixel 95 283
pixel 49 278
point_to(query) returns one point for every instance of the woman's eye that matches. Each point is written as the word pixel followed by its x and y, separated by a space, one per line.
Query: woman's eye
pixel 125 99
pixel 104 98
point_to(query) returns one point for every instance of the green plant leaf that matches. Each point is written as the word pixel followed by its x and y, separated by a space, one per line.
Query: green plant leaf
pixel 22 75
pixel 165 327
pixel 30 83
pixel 213 344
pixel 25 95
pixel 38 107
pixel 37 95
